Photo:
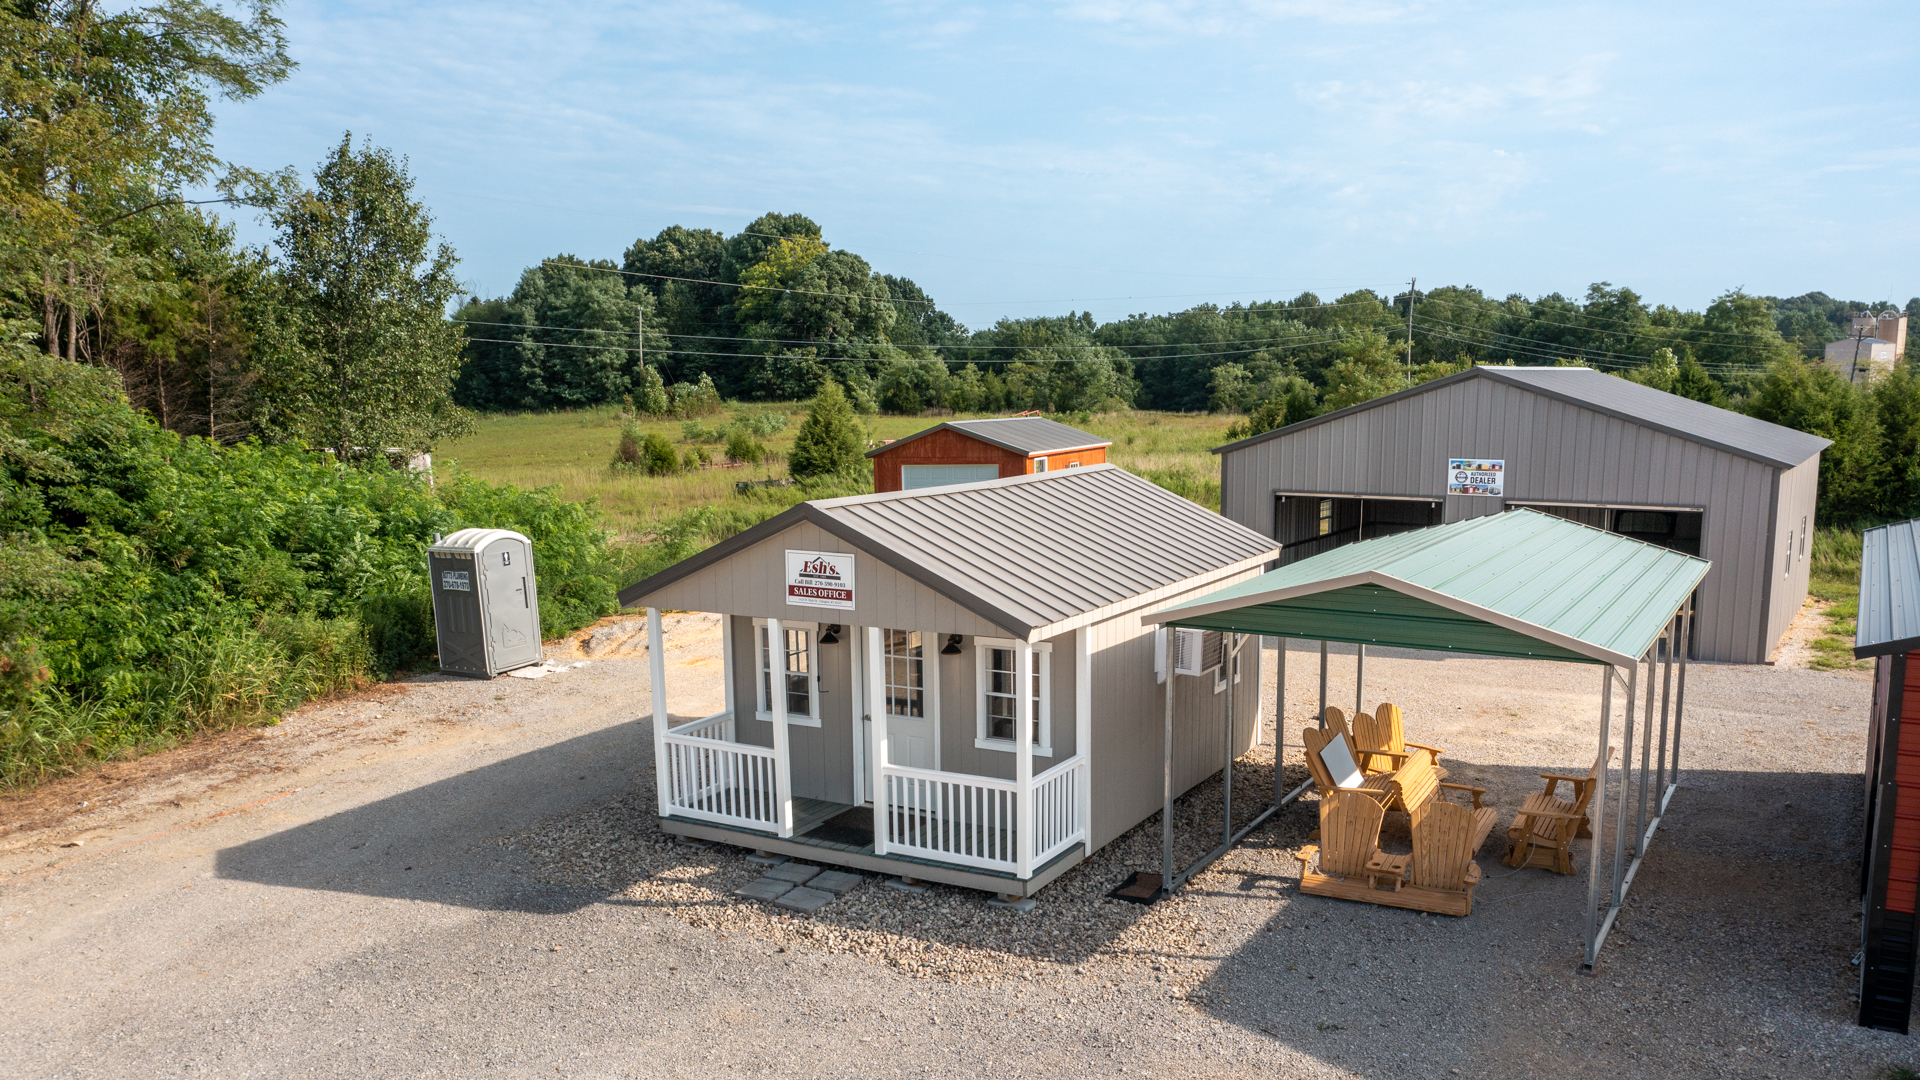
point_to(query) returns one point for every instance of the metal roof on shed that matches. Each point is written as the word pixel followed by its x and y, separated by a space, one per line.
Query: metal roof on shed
pixel 1520 583
pixel 1025 552
pixel 1021 434
pixel 1889 620
pixel 1685 418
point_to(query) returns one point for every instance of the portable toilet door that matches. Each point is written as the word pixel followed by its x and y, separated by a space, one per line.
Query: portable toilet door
pixel 486 603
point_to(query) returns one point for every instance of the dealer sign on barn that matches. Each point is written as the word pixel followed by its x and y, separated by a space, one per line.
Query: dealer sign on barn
pixel 820 579
pixel 1476 476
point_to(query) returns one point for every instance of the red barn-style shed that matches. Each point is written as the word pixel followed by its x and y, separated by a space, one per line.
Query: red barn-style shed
pixel 1889 633
pixel 968 451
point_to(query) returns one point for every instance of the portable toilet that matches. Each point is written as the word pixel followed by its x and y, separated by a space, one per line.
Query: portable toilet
pixel 486 608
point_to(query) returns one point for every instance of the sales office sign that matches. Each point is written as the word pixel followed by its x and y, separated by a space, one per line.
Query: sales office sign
pixel 820 579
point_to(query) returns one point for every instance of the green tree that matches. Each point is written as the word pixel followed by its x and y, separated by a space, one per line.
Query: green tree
pixel 104 116
pixel 1368 368
pixel 1896 401
pixel 1692 381
pixel 360 356
pixel 829 440
pixel 1815 400
pixel 653 399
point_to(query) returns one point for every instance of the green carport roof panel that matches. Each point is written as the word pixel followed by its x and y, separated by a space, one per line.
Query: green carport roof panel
pixel 1353 614
pixel 1589 594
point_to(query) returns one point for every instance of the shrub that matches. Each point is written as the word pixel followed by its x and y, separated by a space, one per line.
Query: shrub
pixel 657 456
pixel 742 448
pixel 627 453
pixel 697 399
pixel 829 440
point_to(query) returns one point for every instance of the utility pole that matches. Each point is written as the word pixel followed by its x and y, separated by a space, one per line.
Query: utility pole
pixel 1411 282
pixel 640 331
pixel 1853 373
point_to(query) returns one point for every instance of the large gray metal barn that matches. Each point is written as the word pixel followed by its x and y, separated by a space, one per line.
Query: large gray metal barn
pixel 1572 442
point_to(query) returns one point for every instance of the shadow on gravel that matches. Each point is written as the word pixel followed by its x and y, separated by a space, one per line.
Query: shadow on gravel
pixel 1731 958
pixel 437 842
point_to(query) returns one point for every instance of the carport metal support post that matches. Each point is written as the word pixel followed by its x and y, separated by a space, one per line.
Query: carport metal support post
pixel 1607 675
pixel 1680 698
pixel 1666 711
pixel 1279 716
pixel 657 675
pixel 1359 677
pixel 1226 743
pixel 1646 752
pixel 1166 783
pixel 1626 783
pixel 777 701
pixel 877 739
pixel 1321 716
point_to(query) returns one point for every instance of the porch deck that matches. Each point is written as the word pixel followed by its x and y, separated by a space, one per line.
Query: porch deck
pixel 818 837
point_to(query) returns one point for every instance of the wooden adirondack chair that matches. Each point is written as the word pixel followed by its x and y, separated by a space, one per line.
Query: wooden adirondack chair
pixel 1379 787
pixel 1349 849
pixel 1417 783
pixel 1382 739
pixel 1544 829
pixel 1442 874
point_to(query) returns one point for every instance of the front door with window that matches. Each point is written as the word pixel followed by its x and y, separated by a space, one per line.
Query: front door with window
pixel 911 735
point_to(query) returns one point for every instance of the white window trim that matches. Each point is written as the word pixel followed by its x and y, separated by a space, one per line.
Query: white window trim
pixel 1220 670
pixel 761 707
pixel 1043 661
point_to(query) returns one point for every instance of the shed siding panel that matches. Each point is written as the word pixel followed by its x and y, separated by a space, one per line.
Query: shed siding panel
pixel 1129 721
pixel 753 582
pixel 1555 451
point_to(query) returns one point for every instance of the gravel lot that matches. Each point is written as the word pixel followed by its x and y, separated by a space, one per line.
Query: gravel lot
pixel 453 878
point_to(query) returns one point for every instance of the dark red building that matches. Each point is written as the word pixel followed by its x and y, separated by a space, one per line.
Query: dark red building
pixel 1889 632
pixel 967 451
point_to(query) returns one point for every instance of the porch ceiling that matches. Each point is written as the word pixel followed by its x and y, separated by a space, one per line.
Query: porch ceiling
pixel 1520 583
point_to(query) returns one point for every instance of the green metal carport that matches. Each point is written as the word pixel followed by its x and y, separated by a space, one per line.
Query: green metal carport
pixel 1518 584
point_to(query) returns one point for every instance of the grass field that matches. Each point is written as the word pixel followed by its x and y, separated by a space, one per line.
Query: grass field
pixel 1834 579
pixel 573 449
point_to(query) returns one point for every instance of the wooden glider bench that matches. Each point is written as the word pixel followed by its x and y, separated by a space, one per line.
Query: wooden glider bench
pixel 1439 876
pixel 1543 831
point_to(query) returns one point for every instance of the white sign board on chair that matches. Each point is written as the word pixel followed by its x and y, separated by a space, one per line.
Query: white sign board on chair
pixel 821 579
pixel 1476 476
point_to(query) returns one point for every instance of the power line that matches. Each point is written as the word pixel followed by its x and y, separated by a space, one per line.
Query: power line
pixel 930 303
pixel 1016 360
pixel 803 341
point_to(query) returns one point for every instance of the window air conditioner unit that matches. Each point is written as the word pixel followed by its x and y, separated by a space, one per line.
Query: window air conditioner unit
pixel 1189 652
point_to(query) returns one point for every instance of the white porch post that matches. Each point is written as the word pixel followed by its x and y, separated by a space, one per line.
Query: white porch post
pixel 877 749
pixel 1023 757
pixel 657 676
pixel 726 672
pixel 777 702
pixel 1083 728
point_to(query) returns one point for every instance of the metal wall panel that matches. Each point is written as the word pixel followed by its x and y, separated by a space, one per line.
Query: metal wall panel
pixel 1555 451
pixel 1799 490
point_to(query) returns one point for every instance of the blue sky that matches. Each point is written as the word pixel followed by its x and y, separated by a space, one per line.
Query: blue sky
pixel 1124 156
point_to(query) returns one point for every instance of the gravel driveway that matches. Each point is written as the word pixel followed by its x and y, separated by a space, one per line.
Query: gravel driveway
pixel 461 878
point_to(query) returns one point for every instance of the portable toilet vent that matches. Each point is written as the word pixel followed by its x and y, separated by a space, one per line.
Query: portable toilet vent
pixel 486 608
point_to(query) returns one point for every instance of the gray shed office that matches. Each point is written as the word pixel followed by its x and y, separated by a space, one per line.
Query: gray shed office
pixel 874 651
pixel 1571 442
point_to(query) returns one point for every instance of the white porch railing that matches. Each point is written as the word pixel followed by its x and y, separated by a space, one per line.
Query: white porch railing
pixel 950 817
pixel 712 779
pixel 973 820
pixel 1056 809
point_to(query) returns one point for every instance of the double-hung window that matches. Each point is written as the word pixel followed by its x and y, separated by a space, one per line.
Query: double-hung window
pixel 788 666
pixel 906 673
pixel 997 677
